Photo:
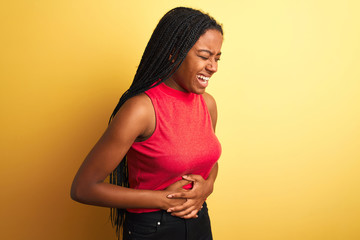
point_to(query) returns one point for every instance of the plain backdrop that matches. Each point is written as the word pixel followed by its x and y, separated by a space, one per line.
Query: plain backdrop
pixel 288 96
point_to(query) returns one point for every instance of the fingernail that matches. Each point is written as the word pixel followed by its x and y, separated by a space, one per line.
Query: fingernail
pixel 169 210
pixel 197 216
pixel 169 196
pixel 185 176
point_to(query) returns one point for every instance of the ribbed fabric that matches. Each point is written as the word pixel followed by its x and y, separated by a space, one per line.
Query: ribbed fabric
pixel 183 142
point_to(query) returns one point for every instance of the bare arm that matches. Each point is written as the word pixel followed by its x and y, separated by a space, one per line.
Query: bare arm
pixel 211 105
pixel 135 120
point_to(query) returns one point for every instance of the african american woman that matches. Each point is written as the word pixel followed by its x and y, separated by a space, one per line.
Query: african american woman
pixel 160 148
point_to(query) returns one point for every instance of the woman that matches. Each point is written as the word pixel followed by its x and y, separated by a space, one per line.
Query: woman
pixel 160 139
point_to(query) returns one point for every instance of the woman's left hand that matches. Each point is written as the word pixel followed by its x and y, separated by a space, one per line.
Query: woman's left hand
pixel 195 197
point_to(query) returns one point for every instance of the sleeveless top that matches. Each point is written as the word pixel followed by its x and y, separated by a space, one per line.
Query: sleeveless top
pixel 183 142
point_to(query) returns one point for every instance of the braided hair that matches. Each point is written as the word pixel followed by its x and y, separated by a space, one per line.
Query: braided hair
pixel 176 33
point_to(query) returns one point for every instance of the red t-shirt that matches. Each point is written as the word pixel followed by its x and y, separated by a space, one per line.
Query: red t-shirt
pixel 183 142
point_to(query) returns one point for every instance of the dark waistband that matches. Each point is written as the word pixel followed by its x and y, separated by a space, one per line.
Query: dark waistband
pixel 159 215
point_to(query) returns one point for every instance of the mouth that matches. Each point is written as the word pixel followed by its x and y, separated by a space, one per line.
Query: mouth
pixel 203 81
pixel 203 78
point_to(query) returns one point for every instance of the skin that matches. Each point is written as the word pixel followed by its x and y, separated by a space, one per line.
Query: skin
pixel 135 121
pixel 202 59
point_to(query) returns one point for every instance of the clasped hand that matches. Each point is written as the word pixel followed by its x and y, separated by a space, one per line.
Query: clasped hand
pixel 192 199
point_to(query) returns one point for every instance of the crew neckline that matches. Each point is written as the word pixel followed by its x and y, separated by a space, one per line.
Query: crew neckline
pixel 174 92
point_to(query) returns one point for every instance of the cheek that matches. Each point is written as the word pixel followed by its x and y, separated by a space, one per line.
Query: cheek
pixel 194 68
pixel 188 70
pixel 184 72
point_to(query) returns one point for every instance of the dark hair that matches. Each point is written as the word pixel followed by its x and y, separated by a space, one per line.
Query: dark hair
pixel 176 33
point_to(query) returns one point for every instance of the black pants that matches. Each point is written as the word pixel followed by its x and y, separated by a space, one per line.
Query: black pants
pixel 161 225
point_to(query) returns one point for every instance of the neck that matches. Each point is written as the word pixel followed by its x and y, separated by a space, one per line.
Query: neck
pixel 173 84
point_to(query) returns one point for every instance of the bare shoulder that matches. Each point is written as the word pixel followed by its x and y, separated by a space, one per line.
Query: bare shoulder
pixel 137 112
pixel 138 106
pixel 210 101
pixel 211 105
pixel 138 103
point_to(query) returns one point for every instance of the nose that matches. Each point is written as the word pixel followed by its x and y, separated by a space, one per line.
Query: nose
pixel 212 66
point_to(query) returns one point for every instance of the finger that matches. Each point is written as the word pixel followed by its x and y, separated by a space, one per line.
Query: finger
pixel 193 214
pixel 186 212
pixel 180 208
pixel 185 208
pixel 193 177
pixel 182 183
pixel 187 195
pixel 178 185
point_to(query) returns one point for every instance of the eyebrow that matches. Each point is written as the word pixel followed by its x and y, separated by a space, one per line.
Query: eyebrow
pixel 208 51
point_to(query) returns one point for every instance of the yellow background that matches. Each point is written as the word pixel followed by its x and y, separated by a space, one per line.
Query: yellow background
pixel 288 94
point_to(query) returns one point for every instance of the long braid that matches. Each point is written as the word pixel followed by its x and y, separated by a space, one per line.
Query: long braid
pixel 173 37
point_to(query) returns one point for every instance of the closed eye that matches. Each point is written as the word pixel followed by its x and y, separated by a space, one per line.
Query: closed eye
pixel 205 58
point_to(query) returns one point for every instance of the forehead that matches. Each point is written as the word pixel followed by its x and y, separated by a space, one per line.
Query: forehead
pixel 212 40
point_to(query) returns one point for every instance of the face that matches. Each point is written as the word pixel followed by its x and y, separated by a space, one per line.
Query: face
pixel 199 65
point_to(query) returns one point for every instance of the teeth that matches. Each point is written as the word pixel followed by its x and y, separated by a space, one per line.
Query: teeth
pixel 203 77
